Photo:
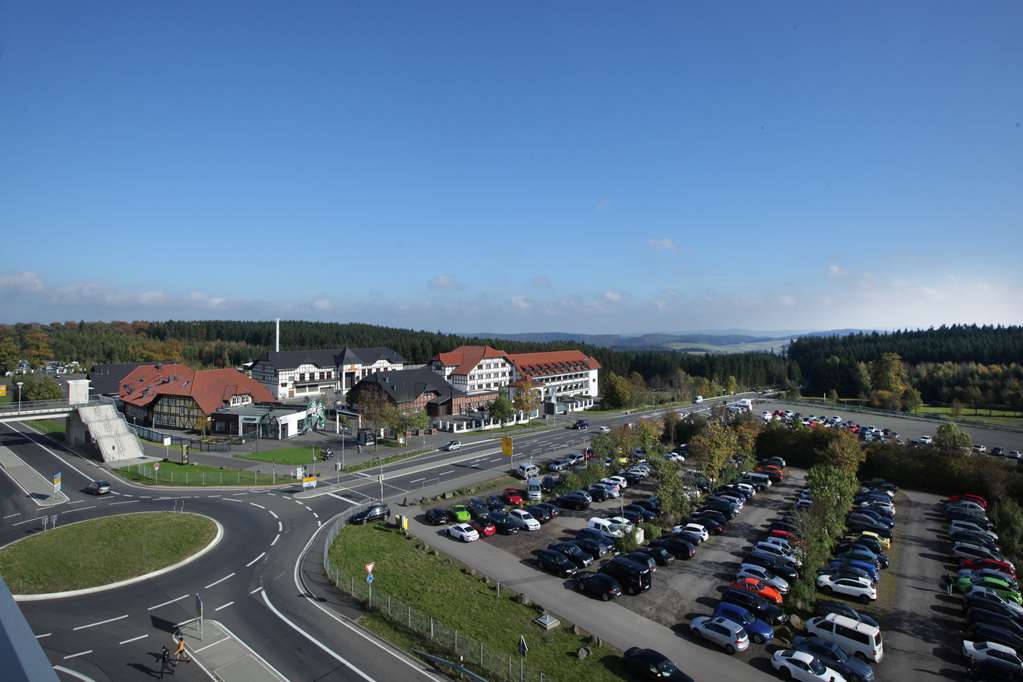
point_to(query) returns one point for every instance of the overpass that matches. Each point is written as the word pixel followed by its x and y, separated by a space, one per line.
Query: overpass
pixel 40 409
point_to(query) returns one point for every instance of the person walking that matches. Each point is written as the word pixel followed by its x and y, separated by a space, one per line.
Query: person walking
pixel 180 652
pixel 165 664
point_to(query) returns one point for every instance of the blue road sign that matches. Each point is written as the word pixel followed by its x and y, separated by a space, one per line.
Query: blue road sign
pixel 369 578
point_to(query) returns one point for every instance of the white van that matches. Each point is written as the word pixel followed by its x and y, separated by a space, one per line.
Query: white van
pixel 526 471
pixel 533 490
pixel 605 527
pixel 855 637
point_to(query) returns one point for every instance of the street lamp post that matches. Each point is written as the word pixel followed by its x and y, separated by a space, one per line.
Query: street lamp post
pixel 19 384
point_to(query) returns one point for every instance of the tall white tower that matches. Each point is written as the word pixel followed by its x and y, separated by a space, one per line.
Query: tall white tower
pixel 277 343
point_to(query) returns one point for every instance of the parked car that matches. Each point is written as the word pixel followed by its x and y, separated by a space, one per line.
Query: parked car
pixel 833 656
pixel 512 496
pixel 861 589
pixel 725 633
pixel 484 526
pixel 755 604
pixel 761 573
pixel 495 503
pixel 573 501
pixel 597 536
pixel 983 597
pixel 477 507
pixel 598 585
pixel 759 587
pixel 463 532
pixel 573 552
pixel 855 637
pixel 524 519
pixel 775 564
pixel 460 513
pixel 679 548
pixel 634 578
pixel 647 664
pixel 759 631
pixel 504 523
pixel 662 556
pixel 539 512
pixel 98 488
pixel 438 516
pixel 978 652
pixel 598 492
pixel 595 549
pixel 804 667
pixel 824 607
pixel 556 563
pixel 993 633
pixel 374 512
pixel 642 558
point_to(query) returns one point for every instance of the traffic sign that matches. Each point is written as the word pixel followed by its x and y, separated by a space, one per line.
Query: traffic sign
pixel 156 467
pixel 309 482
pixel 369 579
pixel 56 482
pixel 522 646
pixel 506 446
pixel 369 566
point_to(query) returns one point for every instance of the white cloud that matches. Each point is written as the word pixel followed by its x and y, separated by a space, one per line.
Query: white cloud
pixel 323 305
pixel 21 281
pixel 521 303
pixel 663 244
pixel 445 282
pixel 836 271
pixel 613 296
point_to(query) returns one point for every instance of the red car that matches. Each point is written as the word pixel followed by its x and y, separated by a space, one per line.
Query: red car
pixel 484 527
pixel 757 586
pixel 512 496
pixel 788 535
pixel 969 497
pixel 977 564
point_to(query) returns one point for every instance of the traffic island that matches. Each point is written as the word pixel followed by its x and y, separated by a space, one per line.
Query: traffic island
pixel 104 553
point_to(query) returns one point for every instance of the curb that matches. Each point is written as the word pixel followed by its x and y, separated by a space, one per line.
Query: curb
pixel 129 581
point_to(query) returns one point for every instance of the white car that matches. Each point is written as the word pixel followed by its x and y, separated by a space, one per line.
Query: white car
pixel 613 485
pixel 604 429
pixel 799 665
pixel 779 551
pixel 972 528
pixel 727 634
pixel 982 651
pixel 693 528
pixel 747 488
pixel 925 440
pixel 676 457
pixel 453 445
pixel 463 532
pixel 860 588
pixel 612 490
pixel 761 573
pixel 524 519
pixel 620 480
pixel 1014 454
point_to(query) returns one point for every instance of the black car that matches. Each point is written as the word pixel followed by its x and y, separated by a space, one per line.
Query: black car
pixel 477 507
pixel 551 509
pixel 713 526
pixel 712 514
pixel 755 604
pixel 859 526
pixel 995 618
pixel 733 490
pixel 833 656
pixel 729 509
pixel 633 577
pixel 373 512
pixel 599 585
pixel 591 547
pixel 652 500
pixel 783 525
pixel 597 536
pixel 982 632
pixel 642 558
pixel 824 607
pixel 495 503
pixel 646 514
pixel 597 492
pixel 438 516
pixel 503 523
pixel 678 547
pixel 633 516
pixel 662 556
pixel 877 515
pixel 573 501
pixel 541 514
pixel 647 664
pixel 556 563
pixel 780 567
pixel 550 483
pixel 573 552
pixel 995 669
pixel 986 600
pixel 974 539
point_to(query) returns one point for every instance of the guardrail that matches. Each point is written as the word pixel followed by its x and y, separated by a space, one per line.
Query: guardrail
pixel 439 638
pixel 36 407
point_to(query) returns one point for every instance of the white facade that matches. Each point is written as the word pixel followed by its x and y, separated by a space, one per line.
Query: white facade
pixel 489 374
pixel 309 380
pixel 567 384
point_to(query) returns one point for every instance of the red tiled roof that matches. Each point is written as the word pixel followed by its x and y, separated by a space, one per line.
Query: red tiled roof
pixel 210 388
pixel 552 362
pixel 466 357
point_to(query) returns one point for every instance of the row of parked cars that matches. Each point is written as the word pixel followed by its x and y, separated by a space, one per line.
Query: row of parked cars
pixel 993 606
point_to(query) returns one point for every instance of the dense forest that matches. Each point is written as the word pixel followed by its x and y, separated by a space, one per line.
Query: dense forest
pixel 968 364
pixel 227 343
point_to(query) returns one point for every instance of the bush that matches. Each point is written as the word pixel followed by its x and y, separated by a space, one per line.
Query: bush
pixel 651 531
pixel 627 543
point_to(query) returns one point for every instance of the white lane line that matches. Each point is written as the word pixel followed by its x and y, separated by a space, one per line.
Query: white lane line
pixel 212 496
pixel 125 494
pixel 126 502
pixel 184 596
pixel 317 642
pixel 280 526
pixel 11 516
pixel 76 502
pixel 255 560
pixel 73 673
pixel 417 480
pixel 343 499
pixel 256 590
pixel 257 505
pixel 72 511
pixel 133 639
pixel 231 499
pixel 101 622
pixel 217 582
pixel 28 521
pixel 223 606
pixel 445 473
pixel 204 648
pixel 319 523
pixel 80 653
pixel 276 538
pixel 315 515
pixel 43 635
pixel 273 514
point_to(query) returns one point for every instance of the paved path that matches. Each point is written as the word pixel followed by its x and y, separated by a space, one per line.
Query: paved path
pixel 35 486
pixel 225 657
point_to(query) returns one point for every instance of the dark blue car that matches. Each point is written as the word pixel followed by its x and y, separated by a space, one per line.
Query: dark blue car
pixel 869 568
pixel 758 630
pixel 832 655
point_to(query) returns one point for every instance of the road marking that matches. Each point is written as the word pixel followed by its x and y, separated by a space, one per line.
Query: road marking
pixel 418 480
pixel 255 560
pixel 319 523
pixel 343 499
pixel 80 653
pixel 133 639
pixel 78 502
pixel 184 596
pixel 71 511
pixel 125 494
pixel 445 473
pixel 217 582
pixel 101 622
pixel 315 641
pixel 45 635
pixel 28 521
pixel 204 648
pixel 73 673
pixel 257 505
pixel 213 496
pixel 224 606
pixel 11 516
pixel 126 502
pixel 273 513
pixel 81 473
pixel 256 590
pixel 280 526
pixel 231 499
pixel 276 538
pixel 315 515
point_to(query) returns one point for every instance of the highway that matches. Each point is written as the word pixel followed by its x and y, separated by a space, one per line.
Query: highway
pixel 263 580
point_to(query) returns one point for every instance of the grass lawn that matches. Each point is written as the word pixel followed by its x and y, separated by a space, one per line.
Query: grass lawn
pixel 102 551
pixel 437 587
pixel 983 416
pixel 172 473
pixel 294 455
pixel 51 427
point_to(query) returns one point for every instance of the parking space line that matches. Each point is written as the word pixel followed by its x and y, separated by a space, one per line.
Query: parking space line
pixel 256 590
pixel 11 516
pixel 273 513
pixel 231 499
pixel 280 526
pixel 125 502
pixel 133 639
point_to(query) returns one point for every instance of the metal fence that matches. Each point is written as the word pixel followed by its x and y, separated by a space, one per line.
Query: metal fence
pixel 209 478
pixel 435 636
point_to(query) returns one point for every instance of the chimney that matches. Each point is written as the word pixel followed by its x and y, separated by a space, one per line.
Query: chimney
pixel 277 343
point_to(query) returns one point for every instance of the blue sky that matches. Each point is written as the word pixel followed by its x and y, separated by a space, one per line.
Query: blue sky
pixel 592 167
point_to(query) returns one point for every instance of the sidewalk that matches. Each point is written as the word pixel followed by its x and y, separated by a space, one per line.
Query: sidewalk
pixel 225 657
pixel 37 487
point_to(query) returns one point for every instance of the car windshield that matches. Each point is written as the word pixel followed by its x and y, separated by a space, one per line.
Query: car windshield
pixel 816 667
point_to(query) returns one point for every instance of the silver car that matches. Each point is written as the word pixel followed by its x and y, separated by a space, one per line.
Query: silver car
pixel 761 573
pixel 727 634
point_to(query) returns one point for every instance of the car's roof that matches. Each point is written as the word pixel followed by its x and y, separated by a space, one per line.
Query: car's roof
pixel 463 526
pixel 798 656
